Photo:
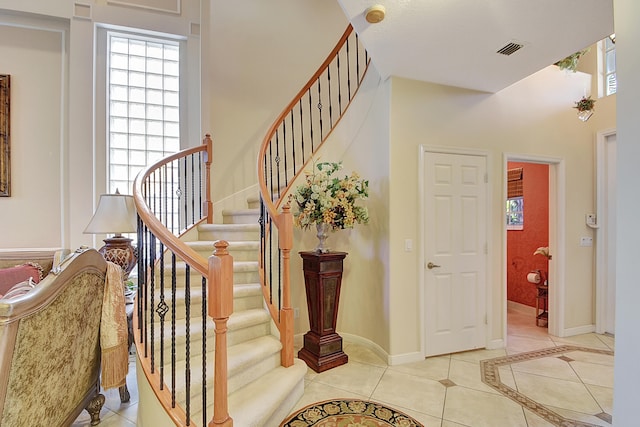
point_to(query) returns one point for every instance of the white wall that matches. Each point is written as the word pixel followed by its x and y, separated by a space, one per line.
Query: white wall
pixel 533 117
pixel 33 52
pixel 627 369
pixel 361 142
pixel 256 59
pixel 55 88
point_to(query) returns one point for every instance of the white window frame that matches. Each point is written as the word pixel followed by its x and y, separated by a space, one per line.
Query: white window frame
pixel 143 135
pixel 512 213
pixel 606 48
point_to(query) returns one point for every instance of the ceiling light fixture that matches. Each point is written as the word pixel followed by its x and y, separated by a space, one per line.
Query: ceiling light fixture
pixel 374 14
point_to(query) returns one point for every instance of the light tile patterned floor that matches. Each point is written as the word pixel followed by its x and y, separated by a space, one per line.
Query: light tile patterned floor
pixel 447 391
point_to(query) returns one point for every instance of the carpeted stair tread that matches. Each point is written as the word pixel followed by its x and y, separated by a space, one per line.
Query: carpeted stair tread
pixel 242 326
pixel 266 401
pixel 245 361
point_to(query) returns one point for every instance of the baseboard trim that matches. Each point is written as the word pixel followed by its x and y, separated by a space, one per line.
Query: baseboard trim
pixel 586 329
pixel 356 339
pixel 521 308
pixel 495 344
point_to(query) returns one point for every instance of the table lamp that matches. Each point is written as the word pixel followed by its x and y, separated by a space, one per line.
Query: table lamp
pixel 116 213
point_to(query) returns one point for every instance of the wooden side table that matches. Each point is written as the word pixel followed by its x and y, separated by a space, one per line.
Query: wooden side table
pixel 125 396
pixel 542 298
pixel 322 348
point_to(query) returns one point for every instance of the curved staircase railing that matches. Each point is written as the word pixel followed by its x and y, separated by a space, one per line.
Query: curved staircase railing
pixel 172 196
pixel 288 147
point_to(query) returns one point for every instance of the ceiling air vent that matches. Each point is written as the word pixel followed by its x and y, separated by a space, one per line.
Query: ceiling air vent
pixel 510 48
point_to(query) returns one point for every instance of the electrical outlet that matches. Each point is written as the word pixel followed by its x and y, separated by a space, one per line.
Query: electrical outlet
pixel 586 241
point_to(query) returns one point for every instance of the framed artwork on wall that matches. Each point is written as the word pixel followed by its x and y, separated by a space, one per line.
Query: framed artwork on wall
pixel 5 158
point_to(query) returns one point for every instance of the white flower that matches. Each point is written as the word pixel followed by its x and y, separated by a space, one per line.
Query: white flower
pixel 323 198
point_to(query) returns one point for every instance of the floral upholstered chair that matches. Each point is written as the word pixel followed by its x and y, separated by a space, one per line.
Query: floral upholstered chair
pixel 50 345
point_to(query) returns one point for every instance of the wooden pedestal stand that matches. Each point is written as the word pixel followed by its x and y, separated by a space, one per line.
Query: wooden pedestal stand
pixel 322 348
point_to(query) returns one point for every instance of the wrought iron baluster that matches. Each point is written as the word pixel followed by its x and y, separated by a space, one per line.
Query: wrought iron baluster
pixel 348 70
pixel 339 84
pixel 204 351
pixel 152 279
pixel 311 121
pixel 173 329
pixel 320 108
pixel 162 310
pixel 192 192
pixel 277 160
pixel 295 167
pixel 187 367
pixel 330 100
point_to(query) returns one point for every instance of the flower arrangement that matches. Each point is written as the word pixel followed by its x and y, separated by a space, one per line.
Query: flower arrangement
pixel 585 104
pixel 324 198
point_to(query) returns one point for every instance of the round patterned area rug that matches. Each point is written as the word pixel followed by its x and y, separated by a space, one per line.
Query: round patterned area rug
pixel 349 413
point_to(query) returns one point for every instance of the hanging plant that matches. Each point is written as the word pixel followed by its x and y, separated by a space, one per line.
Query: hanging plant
pixel 571 62
pixel 585 104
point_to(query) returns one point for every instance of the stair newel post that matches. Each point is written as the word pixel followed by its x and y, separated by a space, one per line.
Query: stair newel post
pixel 220 305
pixel 207 161
pixel 285 233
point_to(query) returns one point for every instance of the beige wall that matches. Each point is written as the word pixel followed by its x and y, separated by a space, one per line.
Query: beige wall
pixel 361 143
pixel 58 144
pixel 256 59
pixel 32 51
pixel 532 117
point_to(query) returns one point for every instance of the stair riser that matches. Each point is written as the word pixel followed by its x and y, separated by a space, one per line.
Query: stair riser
pixel 233 337
pixel 195 280
pixel 241 219
pixel 239 304
pixel 235 382
pixel 230 235
pixel 238 255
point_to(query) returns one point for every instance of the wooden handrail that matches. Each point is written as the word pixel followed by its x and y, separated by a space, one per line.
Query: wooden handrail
pixel 209 269
pixel 283 221
pixel 171 241
pixel 220 304
pixel 272 207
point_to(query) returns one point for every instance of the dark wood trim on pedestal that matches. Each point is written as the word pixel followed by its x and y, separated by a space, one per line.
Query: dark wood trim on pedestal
pixel 322 348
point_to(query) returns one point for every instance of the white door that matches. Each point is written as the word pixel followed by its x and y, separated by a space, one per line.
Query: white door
pixel 455 245
pixel 610 235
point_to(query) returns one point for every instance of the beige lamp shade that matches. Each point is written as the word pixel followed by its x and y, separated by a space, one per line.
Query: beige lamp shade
pixel 116 213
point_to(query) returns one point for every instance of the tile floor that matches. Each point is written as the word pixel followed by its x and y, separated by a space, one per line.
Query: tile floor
pixel 447 391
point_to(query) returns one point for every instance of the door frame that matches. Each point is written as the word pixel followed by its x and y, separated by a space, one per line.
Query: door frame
pixel 557 214
pixel 422 150
pixel 602 138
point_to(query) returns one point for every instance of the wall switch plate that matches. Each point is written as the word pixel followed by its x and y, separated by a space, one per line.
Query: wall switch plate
pixel 408 245
pixel 586 241
pixel 591 219
pixel 296 312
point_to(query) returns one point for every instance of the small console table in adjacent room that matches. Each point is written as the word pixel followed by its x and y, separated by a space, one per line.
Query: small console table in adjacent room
pixel 322 348
pixel 542 299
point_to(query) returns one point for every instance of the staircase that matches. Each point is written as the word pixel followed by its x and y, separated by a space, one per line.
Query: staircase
pixel 228 305
pixel 261 391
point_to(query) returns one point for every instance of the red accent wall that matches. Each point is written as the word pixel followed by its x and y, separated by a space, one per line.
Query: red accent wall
pixel 521 244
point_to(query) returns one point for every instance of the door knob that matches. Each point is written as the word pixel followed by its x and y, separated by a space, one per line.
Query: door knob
pixel 431 265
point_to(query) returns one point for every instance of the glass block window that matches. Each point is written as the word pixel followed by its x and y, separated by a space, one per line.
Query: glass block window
pixel 143 93
pixel 610 83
